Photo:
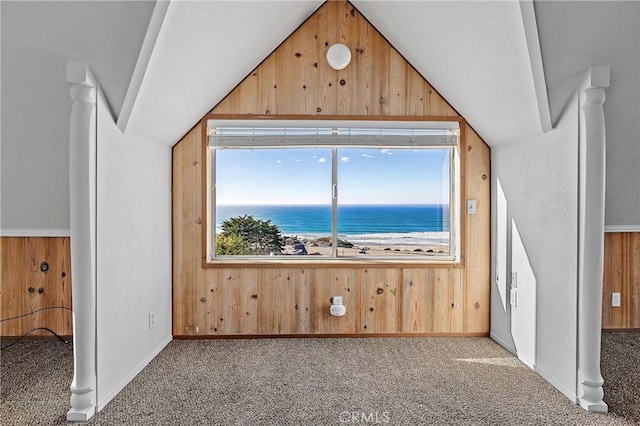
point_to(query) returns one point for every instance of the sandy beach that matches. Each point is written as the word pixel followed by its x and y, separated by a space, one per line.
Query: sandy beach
pixel 323 249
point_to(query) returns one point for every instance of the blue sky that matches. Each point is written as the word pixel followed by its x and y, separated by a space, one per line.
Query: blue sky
pixel 303 176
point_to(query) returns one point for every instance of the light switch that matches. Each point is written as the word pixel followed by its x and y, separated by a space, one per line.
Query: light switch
pixel 471 206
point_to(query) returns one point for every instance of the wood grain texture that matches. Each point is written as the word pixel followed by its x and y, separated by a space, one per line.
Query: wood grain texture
pixel 21 260
pixel 293 299
pixel 296 78
pixel 477 232
pixel 621 275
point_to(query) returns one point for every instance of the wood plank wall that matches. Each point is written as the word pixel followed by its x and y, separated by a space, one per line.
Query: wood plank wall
pixel 621 275
pixel 285 299
pixel 21 260
pixel 296 79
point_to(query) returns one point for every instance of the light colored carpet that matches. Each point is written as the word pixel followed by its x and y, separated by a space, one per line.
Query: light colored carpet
pixel 398 381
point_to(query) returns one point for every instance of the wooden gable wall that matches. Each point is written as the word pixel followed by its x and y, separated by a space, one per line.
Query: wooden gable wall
pixel 294 299
pixel 296 79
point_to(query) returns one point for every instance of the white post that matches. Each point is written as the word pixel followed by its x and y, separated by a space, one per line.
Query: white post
pixel 591 238
pixel 82 194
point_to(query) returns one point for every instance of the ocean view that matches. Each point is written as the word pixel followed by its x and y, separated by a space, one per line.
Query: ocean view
pixel 397 225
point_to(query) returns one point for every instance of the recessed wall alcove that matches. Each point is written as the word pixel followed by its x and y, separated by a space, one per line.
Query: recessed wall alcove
pixel 402 298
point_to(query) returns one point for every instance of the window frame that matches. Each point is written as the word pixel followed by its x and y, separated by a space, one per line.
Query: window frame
pixel 456 185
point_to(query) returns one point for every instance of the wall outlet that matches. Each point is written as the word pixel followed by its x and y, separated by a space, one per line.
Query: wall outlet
pixel 336 300
pixel 152 320
pixel 615 300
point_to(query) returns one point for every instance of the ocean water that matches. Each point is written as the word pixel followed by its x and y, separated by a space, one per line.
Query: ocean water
pixel 359 224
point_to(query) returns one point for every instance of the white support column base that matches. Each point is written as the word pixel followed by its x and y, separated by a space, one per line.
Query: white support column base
pixel 594 407
pixel 591 397
pixel 75 415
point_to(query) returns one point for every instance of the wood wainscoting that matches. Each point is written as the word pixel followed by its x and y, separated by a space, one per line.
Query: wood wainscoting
pixel 293 298
pixel 621 275
pixel 36 274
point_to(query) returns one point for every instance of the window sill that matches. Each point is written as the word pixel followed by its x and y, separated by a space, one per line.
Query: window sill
pixel 333 263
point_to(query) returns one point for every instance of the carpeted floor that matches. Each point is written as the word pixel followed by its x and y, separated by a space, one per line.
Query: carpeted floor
pixel 404 381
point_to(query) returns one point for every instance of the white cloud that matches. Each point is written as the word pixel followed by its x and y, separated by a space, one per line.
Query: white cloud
pixel 367 155
pixel 322 160
pixel 344 159
pixel 386 151
pixel 278 161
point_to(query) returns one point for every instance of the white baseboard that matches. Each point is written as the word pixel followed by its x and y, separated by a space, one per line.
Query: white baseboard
pixel 507 345
pixel 562 389
pixel 35 233
pixel 622 228
pixel 571 394
pixel 124 382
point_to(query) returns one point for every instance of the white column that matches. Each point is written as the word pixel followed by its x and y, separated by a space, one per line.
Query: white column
pixel 591 238
pixel 82 193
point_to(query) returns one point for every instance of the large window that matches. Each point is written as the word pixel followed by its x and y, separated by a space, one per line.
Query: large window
pixel 313 189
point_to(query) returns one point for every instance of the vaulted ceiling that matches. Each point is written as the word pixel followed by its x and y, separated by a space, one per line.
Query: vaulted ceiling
pixel 474 53
pixel 164 64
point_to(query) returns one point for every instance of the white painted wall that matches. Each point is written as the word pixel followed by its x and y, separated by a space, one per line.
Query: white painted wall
pixel 37 39
pixel 133 253
pixel 203 50
pixel 500 219
pixel 576 35
pixel 539 177
pixel 524 295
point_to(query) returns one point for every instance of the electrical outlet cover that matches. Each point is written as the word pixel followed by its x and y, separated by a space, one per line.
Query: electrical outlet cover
pixel 615 300
pixel 337 310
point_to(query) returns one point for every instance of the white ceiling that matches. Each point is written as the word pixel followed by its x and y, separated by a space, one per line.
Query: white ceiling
pixel 577 35
pixel 105 34
pixel 37 40
pixel 204 49
pixel 473 53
